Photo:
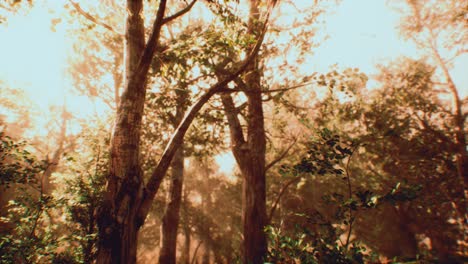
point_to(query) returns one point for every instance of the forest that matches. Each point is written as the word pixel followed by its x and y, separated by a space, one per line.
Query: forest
pixel 233 131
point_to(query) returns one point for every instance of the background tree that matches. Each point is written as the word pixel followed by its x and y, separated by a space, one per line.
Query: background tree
pixel 439 29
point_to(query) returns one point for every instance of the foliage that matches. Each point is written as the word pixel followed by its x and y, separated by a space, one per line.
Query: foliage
pixel 407 135
pixel 304 246
pixel 12 7
pixel 31 230
pixel 84 197
pixel 18 165
pixel 319 237
pixel 382 157
pixel 24 238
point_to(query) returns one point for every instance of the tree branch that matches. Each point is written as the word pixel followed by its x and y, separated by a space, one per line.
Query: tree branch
pixel 280 194
pixel 280 157
pixel 180 13
pixel 151 45
pixel 237 136
pixel 159 172
pixel 93 19
pixel 233 90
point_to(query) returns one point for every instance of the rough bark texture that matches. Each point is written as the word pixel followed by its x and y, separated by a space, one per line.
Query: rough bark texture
pixel 254 216
pixel 117 219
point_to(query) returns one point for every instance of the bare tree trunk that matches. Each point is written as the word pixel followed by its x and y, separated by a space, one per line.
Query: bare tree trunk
pixel 185 258
pixel 54 161
pixel 252 165
pixel 170 221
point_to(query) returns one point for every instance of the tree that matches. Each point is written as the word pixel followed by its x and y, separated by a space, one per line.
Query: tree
pixel 439 28
pixel 406 135
pixel 249 151
pixel 127 199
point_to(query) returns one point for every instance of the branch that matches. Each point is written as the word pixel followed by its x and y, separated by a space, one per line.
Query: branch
pixel 180 13
pixel 92 18
pixel 280 157
pixel 159 172
pixel 281 193
pixel 195 252
pixel 151 45
pixel 233 90
pixel 237 136
pixel 7 8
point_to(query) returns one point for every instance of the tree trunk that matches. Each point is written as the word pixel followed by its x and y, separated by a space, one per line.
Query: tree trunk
pixel 118 226
pixel 53 162
pixel 185 258
pixel 254 217
pixel 170 221
pixel 250 155
pixel 252 166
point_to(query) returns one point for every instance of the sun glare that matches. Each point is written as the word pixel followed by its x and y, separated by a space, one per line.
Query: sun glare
pixel 35 50
pixel 34 56
pixel 34 60
pixel 226 164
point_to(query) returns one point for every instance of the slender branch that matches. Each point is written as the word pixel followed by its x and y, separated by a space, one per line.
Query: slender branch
pixel 280 194
pixel 7 8
pixel 195 252
pixel 151 45
pixel 92 18
pixel 233 90
pixel 237 136
pixel 180 13
pixel 280 157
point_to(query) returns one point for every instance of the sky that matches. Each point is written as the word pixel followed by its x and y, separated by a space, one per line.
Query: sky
pixel 362 33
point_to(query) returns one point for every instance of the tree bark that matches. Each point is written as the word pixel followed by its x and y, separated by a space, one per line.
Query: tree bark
pixel 252 166
pixel 117 218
